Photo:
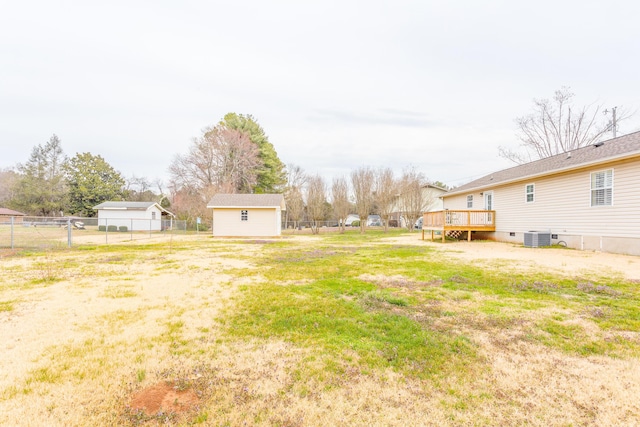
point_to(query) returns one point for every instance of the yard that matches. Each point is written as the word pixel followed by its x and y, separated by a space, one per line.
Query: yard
pixel 374 329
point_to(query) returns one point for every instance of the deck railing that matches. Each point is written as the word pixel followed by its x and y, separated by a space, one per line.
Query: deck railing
pixel 458 218
pixel 462 220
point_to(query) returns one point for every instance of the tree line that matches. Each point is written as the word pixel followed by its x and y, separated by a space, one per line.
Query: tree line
pixel 235 156
pixel 398 200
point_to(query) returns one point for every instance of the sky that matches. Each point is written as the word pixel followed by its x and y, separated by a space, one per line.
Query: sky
pixel 336 85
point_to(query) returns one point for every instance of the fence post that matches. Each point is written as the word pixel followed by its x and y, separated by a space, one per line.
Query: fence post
pixel 69 232
pixel 131 229
pixel 12 224
pixel 106 230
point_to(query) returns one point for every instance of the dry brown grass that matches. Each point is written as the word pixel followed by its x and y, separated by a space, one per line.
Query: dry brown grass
pixel 78 351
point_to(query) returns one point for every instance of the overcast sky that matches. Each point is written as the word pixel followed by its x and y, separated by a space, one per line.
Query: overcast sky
pixel 335 84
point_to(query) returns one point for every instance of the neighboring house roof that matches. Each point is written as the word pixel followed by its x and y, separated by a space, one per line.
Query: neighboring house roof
pixel 10 212
pixel 129 206
pixel 247 201
pixel 627 146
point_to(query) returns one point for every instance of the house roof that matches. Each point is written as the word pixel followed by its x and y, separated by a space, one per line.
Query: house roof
pixel 221 200
pixel 129 206
pixel 10 212
pixel 623 147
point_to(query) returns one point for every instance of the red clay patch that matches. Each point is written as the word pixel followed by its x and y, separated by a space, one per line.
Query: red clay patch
pixel 164 398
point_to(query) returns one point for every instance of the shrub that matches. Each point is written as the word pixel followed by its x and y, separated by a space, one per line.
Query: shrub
pixel 123 228
pixel 102 228
pixel 355 223
pixel 112 228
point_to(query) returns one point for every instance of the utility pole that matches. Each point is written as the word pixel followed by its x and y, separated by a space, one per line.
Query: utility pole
pixel 614 122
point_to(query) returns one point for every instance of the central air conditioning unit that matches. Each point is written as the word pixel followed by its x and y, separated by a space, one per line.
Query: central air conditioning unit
pixel 534 239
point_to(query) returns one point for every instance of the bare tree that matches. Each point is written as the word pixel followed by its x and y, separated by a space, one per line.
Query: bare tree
pixel 221 159
pixel 316 201
pixel 556 126
pixel 340 198
pixel 386 189
pixel 362 181
pixel 296 180
pixel 295 205
pixel 413 200
pixel 8 179
pixel 138 189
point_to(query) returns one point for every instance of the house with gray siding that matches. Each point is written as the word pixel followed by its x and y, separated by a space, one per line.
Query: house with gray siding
pixel 588 198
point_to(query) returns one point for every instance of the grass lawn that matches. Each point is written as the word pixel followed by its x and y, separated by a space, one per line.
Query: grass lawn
pixel 336 329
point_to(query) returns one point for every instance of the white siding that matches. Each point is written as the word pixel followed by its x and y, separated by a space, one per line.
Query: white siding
pixel 261 222
pixel 134 220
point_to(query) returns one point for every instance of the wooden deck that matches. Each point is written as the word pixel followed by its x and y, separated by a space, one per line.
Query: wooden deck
pixel 463 220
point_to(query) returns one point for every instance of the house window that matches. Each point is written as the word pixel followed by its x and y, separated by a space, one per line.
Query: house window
pixel 153 215
pixel 530 190
pixel 602 188
pixel 244 215
pixel 470 201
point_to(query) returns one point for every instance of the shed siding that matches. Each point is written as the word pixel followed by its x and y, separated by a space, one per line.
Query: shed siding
pixel 135 220
pixel 563 204
pixel 261 222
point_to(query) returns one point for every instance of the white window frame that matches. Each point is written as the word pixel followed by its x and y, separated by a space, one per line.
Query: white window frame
pixel 527 193
pixel 607 184
pixel 244 215
pixel 470 201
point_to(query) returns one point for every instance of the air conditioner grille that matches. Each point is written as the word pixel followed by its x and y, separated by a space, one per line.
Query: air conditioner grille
pixel 534 239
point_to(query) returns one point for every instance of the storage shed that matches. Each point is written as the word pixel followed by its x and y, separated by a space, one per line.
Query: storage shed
pixel 134 216
pixel 244 215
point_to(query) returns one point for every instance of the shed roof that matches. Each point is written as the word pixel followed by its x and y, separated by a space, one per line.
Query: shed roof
pixel 623 147
pixel 10 212
pixel 129 206
pixel 221 200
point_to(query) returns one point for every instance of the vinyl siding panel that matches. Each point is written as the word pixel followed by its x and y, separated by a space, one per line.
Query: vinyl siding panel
pixel 261 222
pixel 133 219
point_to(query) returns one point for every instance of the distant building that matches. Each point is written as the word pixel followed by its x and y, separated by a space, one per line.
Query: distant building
pixel 7 214
pixel 135 216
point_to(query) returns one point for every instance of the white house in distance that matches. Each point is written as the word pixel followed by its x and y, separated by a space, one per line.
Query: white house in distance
pixel 588 198
pixel 135 216
pixel 431 200
pixel 244 215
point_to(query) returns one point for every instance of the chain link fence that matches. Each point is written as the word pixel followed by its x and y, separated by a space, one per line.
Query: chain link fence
pixel 43 232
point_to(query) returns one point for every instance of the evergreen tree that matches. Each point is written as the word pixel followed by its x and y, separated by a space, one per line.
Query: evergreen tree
pixel 40 188
pixel 271 174
pixel 91 181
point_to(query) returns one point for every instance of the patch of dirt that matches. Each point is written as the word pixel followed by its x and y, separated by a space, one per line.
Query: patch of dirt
pixel 164 398
pixel 514 257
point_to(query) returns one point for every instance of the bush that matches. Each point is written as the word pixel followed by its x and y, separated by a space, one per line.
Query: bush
pixel 112 228
pixel 102 228
pixel 355 223
pixel 123 228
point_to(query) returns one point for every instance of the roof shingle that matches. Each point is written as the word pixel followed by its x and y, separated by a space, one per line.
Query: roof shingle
pixel 613 149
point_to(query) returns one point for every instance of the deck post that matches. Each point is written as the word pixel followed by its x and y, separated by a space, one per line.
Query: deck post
pixel 468 235
pixel 423 234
